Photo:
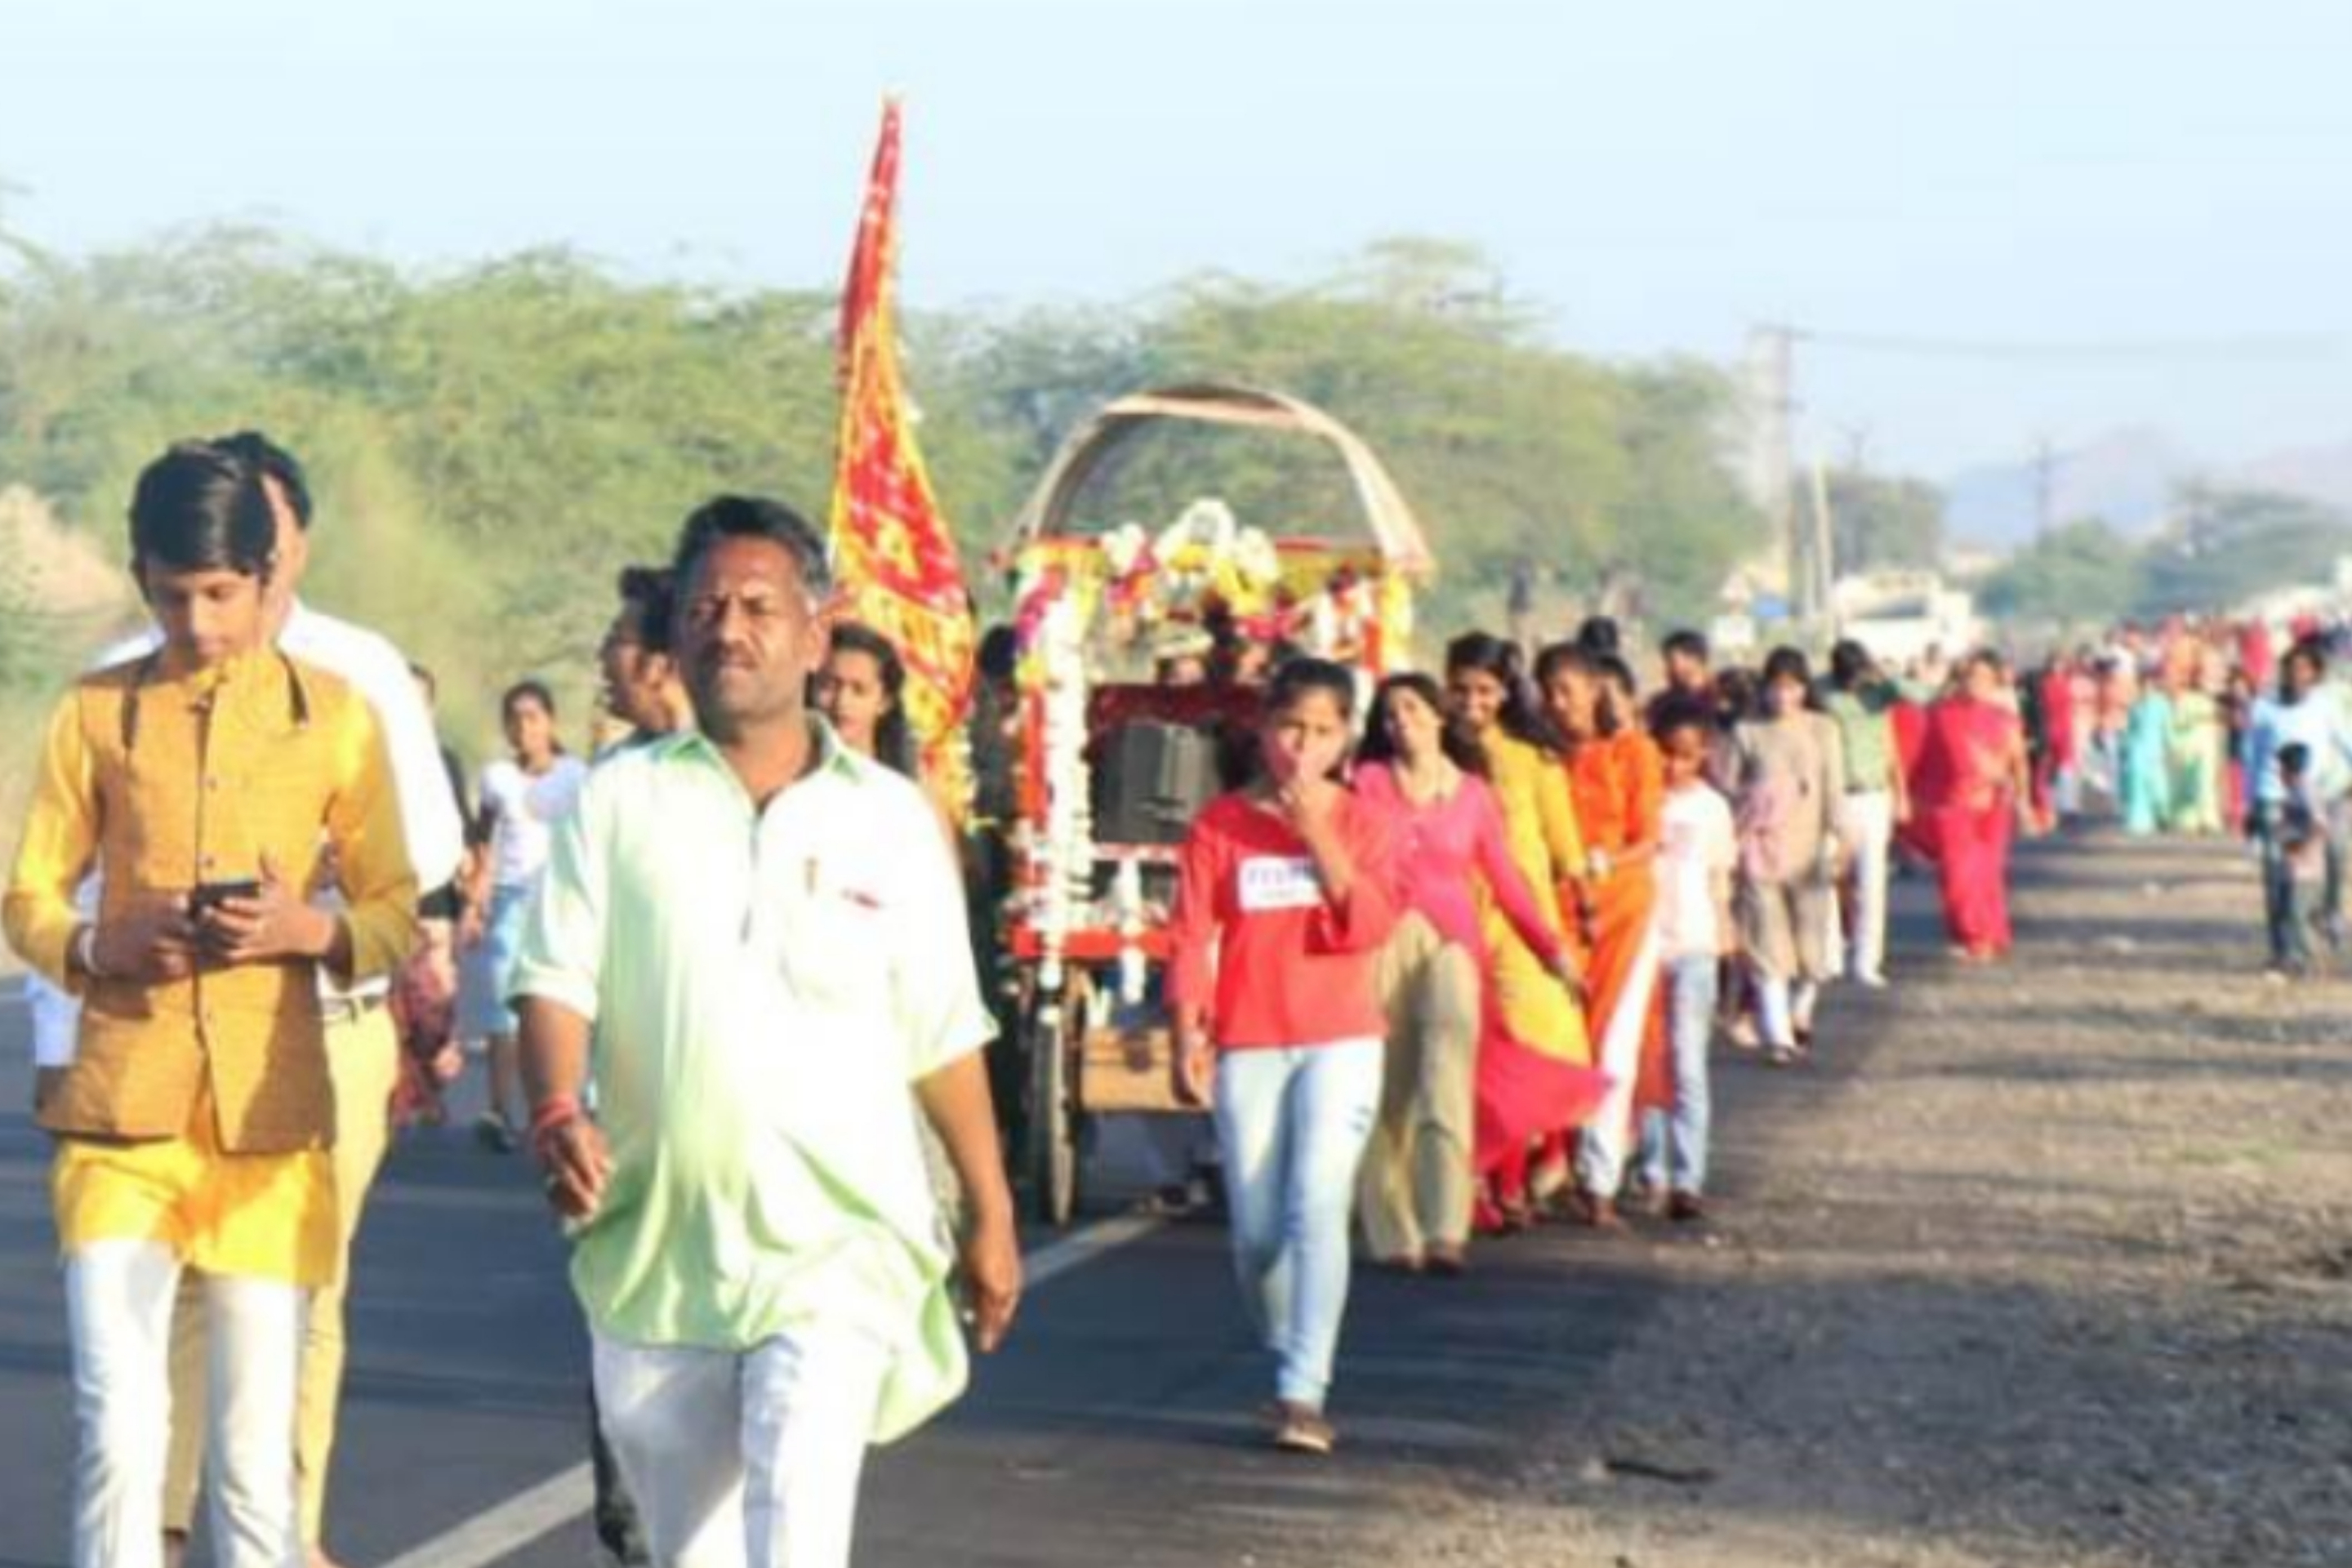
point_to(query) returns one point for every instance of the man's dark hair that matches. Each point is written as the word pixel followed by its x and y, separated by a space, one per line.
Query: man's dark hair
pixel 752 517
pixel 646 593
pixel 2310 651
pixel 2293 757
pixel 1686 642
pixel 275 462
pixel 1849 663
pixel 199 508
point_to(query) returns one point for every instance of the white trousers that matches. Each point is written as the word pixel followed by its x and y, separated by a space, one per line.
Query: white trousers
pixel 118 1301
pixel 743 1461
pixel 1867 826
pixel 1608 1137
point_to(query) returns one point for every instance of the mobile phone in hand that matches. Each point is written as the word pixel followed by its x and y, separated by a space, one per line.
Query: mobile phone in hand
pixel 213 895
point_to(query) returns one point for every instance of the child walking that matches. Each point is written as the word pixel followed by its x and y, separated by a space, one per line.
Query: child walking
pixel 2297 869
pixel 1698 849
pixel 1285 898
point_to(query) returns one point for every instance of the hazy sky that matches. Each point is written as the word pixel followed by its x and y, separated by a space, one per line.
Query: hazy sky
pixel 2167 175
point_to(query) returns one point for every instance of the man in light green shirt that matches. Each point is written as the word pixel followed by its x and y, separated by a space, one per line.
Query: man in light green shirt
pixel 766 934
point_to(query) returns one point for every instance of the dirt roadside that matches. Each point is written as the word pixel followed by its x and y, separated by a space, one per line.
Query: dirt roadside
pixel 2050 1263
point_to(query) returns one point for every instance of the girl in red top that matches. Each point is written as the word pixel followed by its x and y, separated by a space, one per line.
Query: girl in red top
pixel 1286 895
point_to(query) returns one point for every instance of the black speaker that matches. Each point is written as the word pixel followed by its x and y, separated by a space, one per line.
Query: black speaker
pixel 1152 780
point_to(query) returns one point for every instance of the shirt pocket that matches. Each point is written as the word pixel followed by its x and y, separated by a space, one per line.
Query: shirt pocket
pixel 835 950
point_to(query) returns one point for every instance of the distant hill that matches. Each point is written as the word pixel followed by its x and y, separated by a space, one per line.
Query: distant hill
pixel 2127 477
pixel 2321 473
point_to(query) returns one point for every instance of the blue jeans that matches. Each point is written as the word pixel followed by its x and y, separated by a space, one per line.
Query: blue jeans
pixel 2286 902
pixel 1292 1122
pixel 1674 1148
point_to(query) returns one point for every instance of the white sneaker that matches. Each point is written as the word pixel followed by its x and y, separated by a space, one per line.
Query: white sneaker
pixel 1870 981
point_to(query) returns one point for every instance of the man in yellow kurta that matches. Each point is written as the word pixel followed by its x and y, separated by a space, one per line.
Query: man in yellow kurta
pixel 206 782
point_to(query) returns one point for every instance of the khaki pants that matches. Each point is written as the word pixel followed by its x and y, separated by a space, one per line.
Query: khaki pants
pixel 363 1061
pixel 1415 1188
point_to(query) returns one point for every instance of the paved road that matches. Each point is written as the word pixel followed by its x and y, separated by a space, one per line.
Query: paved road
pixel 1116 1429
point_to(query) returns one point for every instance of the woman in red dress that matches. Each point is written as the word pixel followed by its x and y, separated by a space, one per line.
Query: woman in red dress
pixel 1972 779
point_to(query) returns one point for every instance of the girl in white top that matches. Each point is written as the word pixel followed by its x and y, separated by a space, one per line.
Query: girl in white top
pixel 522 799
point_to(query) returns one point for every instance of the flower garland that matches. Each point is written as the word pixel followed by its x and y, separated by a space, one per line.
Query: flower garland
pixel 1062 856
pixel 1072 590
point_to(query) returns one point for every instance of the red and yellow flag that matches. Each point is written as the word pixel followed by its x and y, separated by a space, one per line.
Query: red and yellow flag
pixel 893 556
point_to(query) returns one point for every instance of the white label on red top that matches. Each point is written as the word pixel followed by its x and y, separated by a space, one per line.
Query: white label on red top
pixel 1279 882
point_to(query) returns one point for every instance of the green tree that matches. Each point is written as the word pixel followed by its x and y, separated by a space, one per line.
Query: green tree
pixel 2228 546
pixel 2084 573
pixel 1878 523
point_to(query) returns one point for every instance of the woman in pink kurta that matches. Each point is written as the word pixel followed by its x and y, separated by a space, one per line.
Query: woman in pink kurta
pixel 1971 779
pixel 1416 1190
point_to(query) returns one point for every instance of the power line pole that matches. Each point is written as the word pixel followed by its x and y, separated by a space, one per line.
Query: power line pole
pixel 2045 488
pixel 1772 374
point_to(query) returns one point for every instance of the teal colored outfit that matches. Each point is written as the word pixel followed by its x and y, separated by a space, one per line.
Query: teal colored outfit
pixel 2146 772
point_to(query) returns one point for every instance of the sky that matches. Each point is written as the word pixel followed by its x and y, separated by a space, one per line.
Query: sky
pixel 2009 184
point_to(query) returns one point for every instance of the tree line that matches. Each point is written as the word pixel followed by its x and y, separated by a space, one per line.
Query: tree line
pixel 491 443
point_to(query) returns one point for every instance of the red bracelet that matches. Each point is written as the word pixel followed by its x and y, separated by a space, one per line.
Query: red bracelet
pixel 552 1112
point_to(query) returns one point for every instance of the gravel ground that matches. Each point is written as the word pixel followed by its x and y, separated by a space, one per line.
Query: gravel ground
pixel 2047 1264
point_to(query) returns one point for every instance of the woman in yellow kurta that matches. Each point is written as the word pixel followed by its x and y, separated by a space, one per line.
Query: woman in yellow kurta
pixel 1531 1008
pixel 206 783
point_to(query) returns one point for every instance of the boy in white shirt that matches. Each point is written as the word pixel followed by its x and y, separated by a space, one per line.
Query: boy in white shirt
pixel 1697 852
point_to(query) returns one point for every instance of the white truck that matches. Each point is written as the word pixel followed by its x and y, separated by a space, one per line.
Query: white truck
pixel 1902 617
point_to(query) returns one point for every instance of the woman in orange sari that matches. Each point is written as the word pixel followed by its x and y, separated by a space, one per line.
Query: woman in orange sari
pixel 1617 784
pixel 1535 1058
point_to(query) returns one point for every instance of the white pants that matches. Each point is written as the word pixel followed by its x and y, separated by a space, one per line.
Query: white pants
pixel 118 1298
pixel 743 1461
pixel 1866 827
pixel 1608 1137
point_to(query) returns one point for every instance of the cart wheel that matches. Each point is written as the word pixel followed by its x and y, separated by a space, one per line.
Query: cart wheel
pixel 1053 1118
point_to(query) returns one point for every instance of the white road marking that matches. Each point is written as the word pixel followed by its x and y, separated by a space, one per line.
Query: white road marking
pixel 556 1501
pixel 1052 1262
pixel 512 1525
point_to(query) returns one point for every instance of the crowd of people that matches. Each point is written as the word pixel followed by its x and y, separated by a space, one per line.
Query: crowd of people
pixel 247 880
pixel 2204 727
pixel 1451 959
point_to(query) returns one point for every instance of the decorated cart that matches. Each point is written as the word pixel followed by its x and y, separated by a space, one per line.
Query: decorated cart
pixel 1139 652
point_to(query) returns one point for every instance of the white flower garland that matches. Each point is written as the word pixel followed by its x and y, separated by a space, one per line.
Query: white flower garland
pixel 1064 854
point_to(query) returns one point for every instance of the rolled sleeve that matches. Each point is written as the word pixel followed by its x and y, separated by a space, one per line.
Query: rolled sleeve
pixel 60 843
pixel 562 955
pixel 371 848
pixel 940 1013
